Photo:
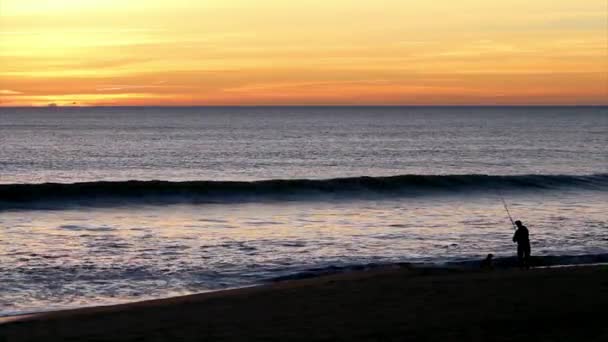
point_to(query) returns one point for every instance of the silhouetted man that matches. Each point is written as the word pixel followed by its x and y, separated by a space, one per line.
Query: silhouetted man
pixel 522 237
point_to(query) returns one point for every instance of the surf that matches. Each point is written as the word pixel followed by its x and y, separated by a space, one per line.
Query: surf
pixel 14 196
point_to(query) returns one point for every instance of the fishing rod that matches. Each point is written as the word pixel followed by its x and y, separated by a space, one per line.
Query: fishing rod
pixel 507 209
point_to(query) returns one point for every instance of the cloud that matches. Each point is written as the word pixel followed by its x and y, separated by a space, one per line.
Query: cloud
pixel 9 92
pixel 114 87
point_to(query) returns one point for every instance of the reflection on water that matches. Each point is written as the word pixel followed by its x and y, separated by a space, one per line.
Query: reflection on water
pixel 86 256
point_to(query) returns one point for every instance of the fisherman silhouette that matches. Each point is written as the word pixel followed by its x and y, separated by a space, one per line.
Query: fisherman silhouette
pixel 522 237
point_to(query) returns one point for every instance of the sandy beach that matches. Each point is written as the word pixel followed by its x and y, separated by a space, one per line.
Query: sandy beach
pixel 392 304
pixel 283 171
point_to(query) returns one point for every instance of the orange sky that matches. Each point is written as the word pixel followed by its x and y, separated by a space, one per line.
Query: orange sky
pixel 271 52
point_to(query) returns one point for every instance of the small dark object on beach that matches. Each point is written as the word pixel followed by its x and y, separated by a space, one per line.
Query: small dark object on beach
pixel 487 263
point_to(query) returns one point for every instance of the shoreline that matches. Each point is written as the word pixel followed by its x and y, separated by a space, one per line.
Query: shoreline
pixel 500 263
pixel 379 304
pixel 94 307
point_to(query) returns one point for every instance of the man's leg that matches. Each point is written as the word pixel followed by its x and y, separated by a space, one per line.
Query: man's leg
pixel 520 255
pixel 527 251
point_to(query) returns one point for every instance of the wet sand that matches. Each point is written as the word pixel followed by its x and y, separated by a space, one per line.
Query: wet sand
pixel 392 304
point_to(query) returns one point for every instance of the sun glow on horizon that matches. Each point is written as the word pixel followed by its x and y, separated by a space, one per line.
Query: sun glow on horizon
pixel 272 52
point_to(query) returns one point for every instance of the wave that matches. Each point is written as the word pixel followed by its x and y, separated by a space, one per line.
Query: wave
pixel 24 195
pixel 542 261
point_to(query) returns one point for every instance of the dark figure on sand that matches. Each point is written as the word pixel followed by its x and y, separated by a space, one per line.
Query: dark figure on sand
pixel 487 263
pixel 522 237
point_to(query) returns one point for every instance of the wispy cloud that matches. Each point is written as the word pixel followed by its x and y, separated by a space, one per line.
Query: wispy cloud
pixel 81 31
pixel 114 87
pixel 9 92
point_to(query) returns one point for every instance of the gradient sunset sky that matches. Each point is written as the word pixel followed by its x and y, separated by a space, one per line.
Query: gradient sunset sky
pixel 313 52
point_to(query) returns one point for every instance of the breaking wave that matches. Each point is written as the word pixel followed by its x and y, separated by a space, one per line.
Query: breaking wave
pixel 25 195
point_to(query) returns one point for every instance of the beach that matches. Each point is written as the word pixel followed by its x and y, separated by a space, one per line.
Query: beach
pixel 272 170
pixel 388 304
pixel 110 205
pixel 333 223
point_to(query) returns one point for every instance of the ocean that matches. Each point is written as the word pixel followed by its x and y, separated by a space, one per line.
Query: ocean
pixel 109 205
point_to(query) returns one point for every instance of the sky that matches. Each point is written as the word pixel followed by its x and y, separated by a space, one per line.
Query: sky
pixel 309 52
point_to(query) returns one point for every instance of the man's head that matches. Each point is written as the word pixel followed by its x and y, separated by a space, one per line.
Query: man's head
pixel 518 224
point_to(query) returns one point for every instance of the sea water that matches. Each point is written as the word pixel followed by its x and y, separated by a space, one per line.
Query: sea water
pixel 152 202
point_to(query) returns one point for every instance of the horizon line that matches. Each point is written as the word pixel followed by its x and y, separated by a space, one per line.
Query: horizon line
pixel 50 106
